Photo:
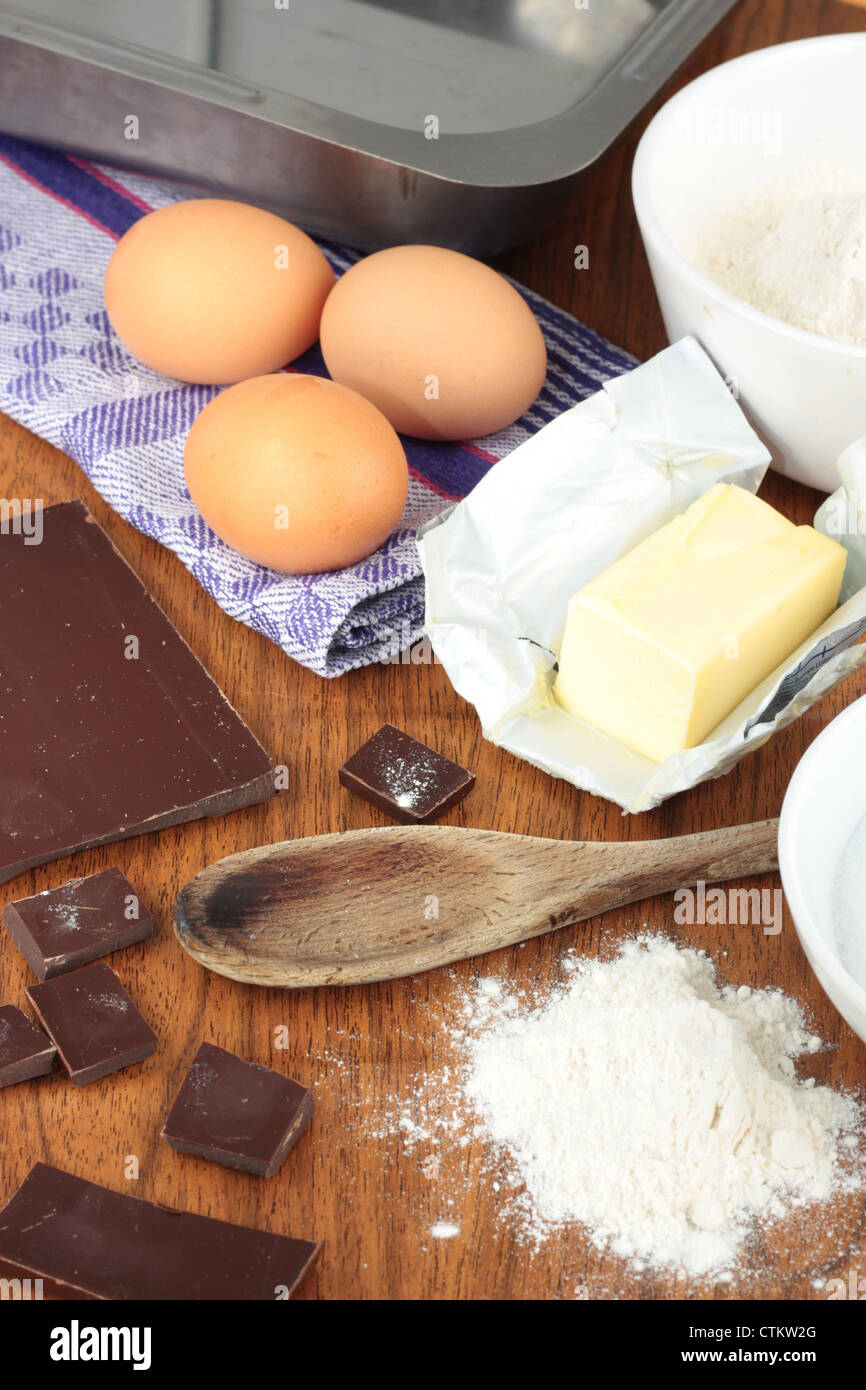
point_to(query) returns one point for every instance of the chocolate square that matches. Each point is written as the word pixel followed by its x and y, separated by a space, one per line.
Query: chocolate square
pixel 405 778
pixel 25 1051
pixel 63 928
pixel 237 1113
pixel 110 725
pixel 85 1241
pixel 92 1021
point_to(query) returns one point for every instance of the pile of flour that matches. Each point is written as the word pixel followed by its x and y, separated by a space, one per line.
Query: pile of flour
pixel 797 252
pixel 658 1111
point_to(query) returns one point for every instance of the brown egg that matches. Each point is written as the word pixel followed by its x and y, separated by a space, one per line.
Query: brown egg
pixel 213 291
pixel 442 344
pixel 296 472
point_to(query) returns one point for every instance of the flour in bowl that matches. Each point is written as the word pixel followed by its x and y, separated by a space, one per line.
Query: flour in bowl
pixel 796 251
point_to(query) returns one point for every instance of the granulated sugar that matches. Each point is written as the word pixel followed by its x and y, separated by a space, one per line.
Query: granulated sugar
pixel 658 1112
pixel 849 896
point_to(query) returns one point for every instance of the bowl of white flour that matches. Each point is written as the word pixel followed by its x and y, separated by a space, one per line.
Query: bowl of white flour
pixel 750 191
pixel 822 859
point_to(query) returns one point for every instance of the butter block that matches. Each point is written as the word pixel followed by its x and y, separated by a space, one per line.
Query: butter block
pixel 660 647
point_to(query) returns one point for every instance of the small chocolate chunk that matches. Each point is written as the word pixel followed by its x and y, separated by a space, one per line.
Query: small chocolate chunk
pixel 405 778
pixel 25 1051
pixel 237 1113
pixel 66 927
pixel 92 1021
pixel 85 1241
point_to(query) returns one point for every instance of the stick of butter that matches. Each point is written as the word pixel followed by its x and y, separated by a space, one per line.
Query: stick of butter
pixel 660 647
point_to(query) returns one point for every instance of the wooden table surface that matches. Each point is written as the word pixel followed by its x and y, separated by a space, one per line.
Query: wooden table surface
pixel 369 1201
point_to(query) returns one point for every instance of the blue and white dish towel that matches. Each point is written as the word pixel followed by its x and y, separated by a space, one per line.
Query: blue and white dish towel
pixel 66 376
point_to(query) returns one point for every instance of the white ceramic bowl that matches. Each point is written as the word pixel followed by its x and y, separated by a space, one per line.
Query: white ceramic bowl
pixel 824 803
pixel 747 122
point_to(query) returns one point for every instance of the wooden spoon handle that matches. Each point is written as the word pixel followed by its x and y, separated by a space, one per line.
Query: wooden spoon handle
pixel 737 851
pixel 626 872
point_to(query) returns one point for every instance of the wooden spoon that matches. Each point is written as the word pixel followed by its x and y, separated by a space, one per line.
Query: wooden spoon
pixel 376 904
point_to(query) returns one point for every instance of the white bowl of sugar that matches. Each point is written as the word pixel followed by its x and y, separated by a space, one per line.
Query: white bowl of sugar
pixel 750 191
pixel 822 858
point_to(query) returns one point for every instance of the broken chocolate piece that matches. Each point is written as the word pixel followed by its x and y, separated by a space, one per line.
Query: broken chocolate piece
pixel 25 1051
pixel 66 927
pixel 237 1113
pixel 85 1241
pixel 110 725
pixel 92 1021
pixel 405 778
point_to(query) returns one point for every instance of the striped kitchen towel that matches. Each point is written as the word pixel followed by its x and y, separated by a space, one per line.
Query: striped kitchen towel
pixel 66 376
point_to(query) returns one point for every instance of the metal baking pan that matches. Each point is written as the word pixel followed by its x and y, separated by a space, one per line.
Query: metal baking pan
pixel 460 122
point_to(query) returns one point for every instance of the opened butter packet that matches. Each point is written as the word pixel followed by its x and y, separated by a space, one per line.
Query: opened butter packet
pixel 501 566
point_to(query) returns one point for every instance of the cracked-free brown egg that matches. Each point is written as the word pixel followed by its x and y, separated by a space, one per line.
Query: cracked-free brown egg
pixel 214 291
pixel 442 344
pixel 296 472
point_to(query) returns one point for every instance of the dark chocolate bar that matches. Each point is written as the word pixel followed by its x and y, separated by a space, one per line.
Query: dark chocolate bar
pixel 237 1113
pixel 25 1051
pixel 92 1022
pixel 110 726
pixel 63 928
pixel 405 778
pixel 85 1241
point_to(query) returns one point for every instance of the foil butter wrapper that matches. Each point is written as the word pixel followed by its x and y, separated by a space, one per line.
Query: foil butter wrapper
pixel 501 566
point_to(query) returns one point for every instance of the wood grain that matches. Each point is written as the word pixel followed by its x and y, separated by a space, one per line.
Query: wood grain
pixel 362 1194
